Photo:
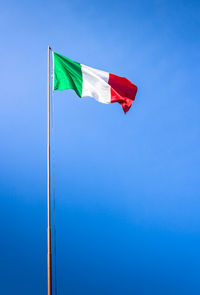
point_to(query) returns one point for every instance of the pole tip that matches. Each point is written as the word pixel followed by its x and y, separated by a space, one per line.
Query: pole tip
pixel 49 47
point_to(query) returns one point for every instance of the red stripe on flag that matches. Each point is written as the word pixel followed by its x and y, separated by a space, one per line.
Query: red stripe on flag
pixel 123 91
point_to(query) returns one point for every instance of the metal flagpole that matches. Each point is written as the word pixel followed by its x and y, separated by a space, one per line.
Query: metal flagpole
pixel 49 266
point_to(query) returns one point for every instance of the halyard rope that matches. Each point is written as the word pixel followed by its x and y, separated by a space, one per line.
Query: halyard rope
pixel 54 190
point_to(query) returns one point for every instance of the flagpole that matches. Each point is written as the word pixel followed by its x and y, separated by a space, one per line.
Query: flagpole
pixel 49 266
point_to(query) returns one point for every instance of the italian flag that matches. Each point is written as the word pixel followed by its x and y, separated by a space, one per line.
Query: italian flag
pixel 90 82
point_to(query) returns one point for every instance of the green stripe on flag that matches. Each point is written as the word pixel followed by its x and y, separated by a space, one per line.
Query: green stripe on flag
pixel 67 74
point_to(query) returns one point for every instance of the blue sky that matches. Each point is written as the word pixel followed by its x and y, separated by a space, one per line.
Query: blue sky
pixel 127 187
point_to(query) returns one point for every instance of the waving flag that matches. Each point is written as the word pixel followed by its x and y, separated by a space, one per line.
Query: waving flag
pixel 89 82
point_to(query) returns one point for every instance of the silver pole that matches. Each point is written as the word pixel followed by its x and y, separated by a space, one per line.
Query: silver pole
pixel 49 267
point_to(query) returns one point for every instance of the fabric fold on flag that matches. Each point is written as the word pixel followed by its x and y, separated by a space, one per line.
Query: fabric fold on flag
pixel 90 82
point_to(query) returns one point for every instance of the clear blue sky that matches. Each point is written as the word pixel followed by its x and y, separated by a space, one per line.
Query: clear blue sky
pixel 127 187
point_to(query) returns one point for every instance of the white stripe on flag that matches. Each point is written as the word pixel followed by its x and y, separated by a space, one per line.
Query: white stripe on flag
pixel 95 84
